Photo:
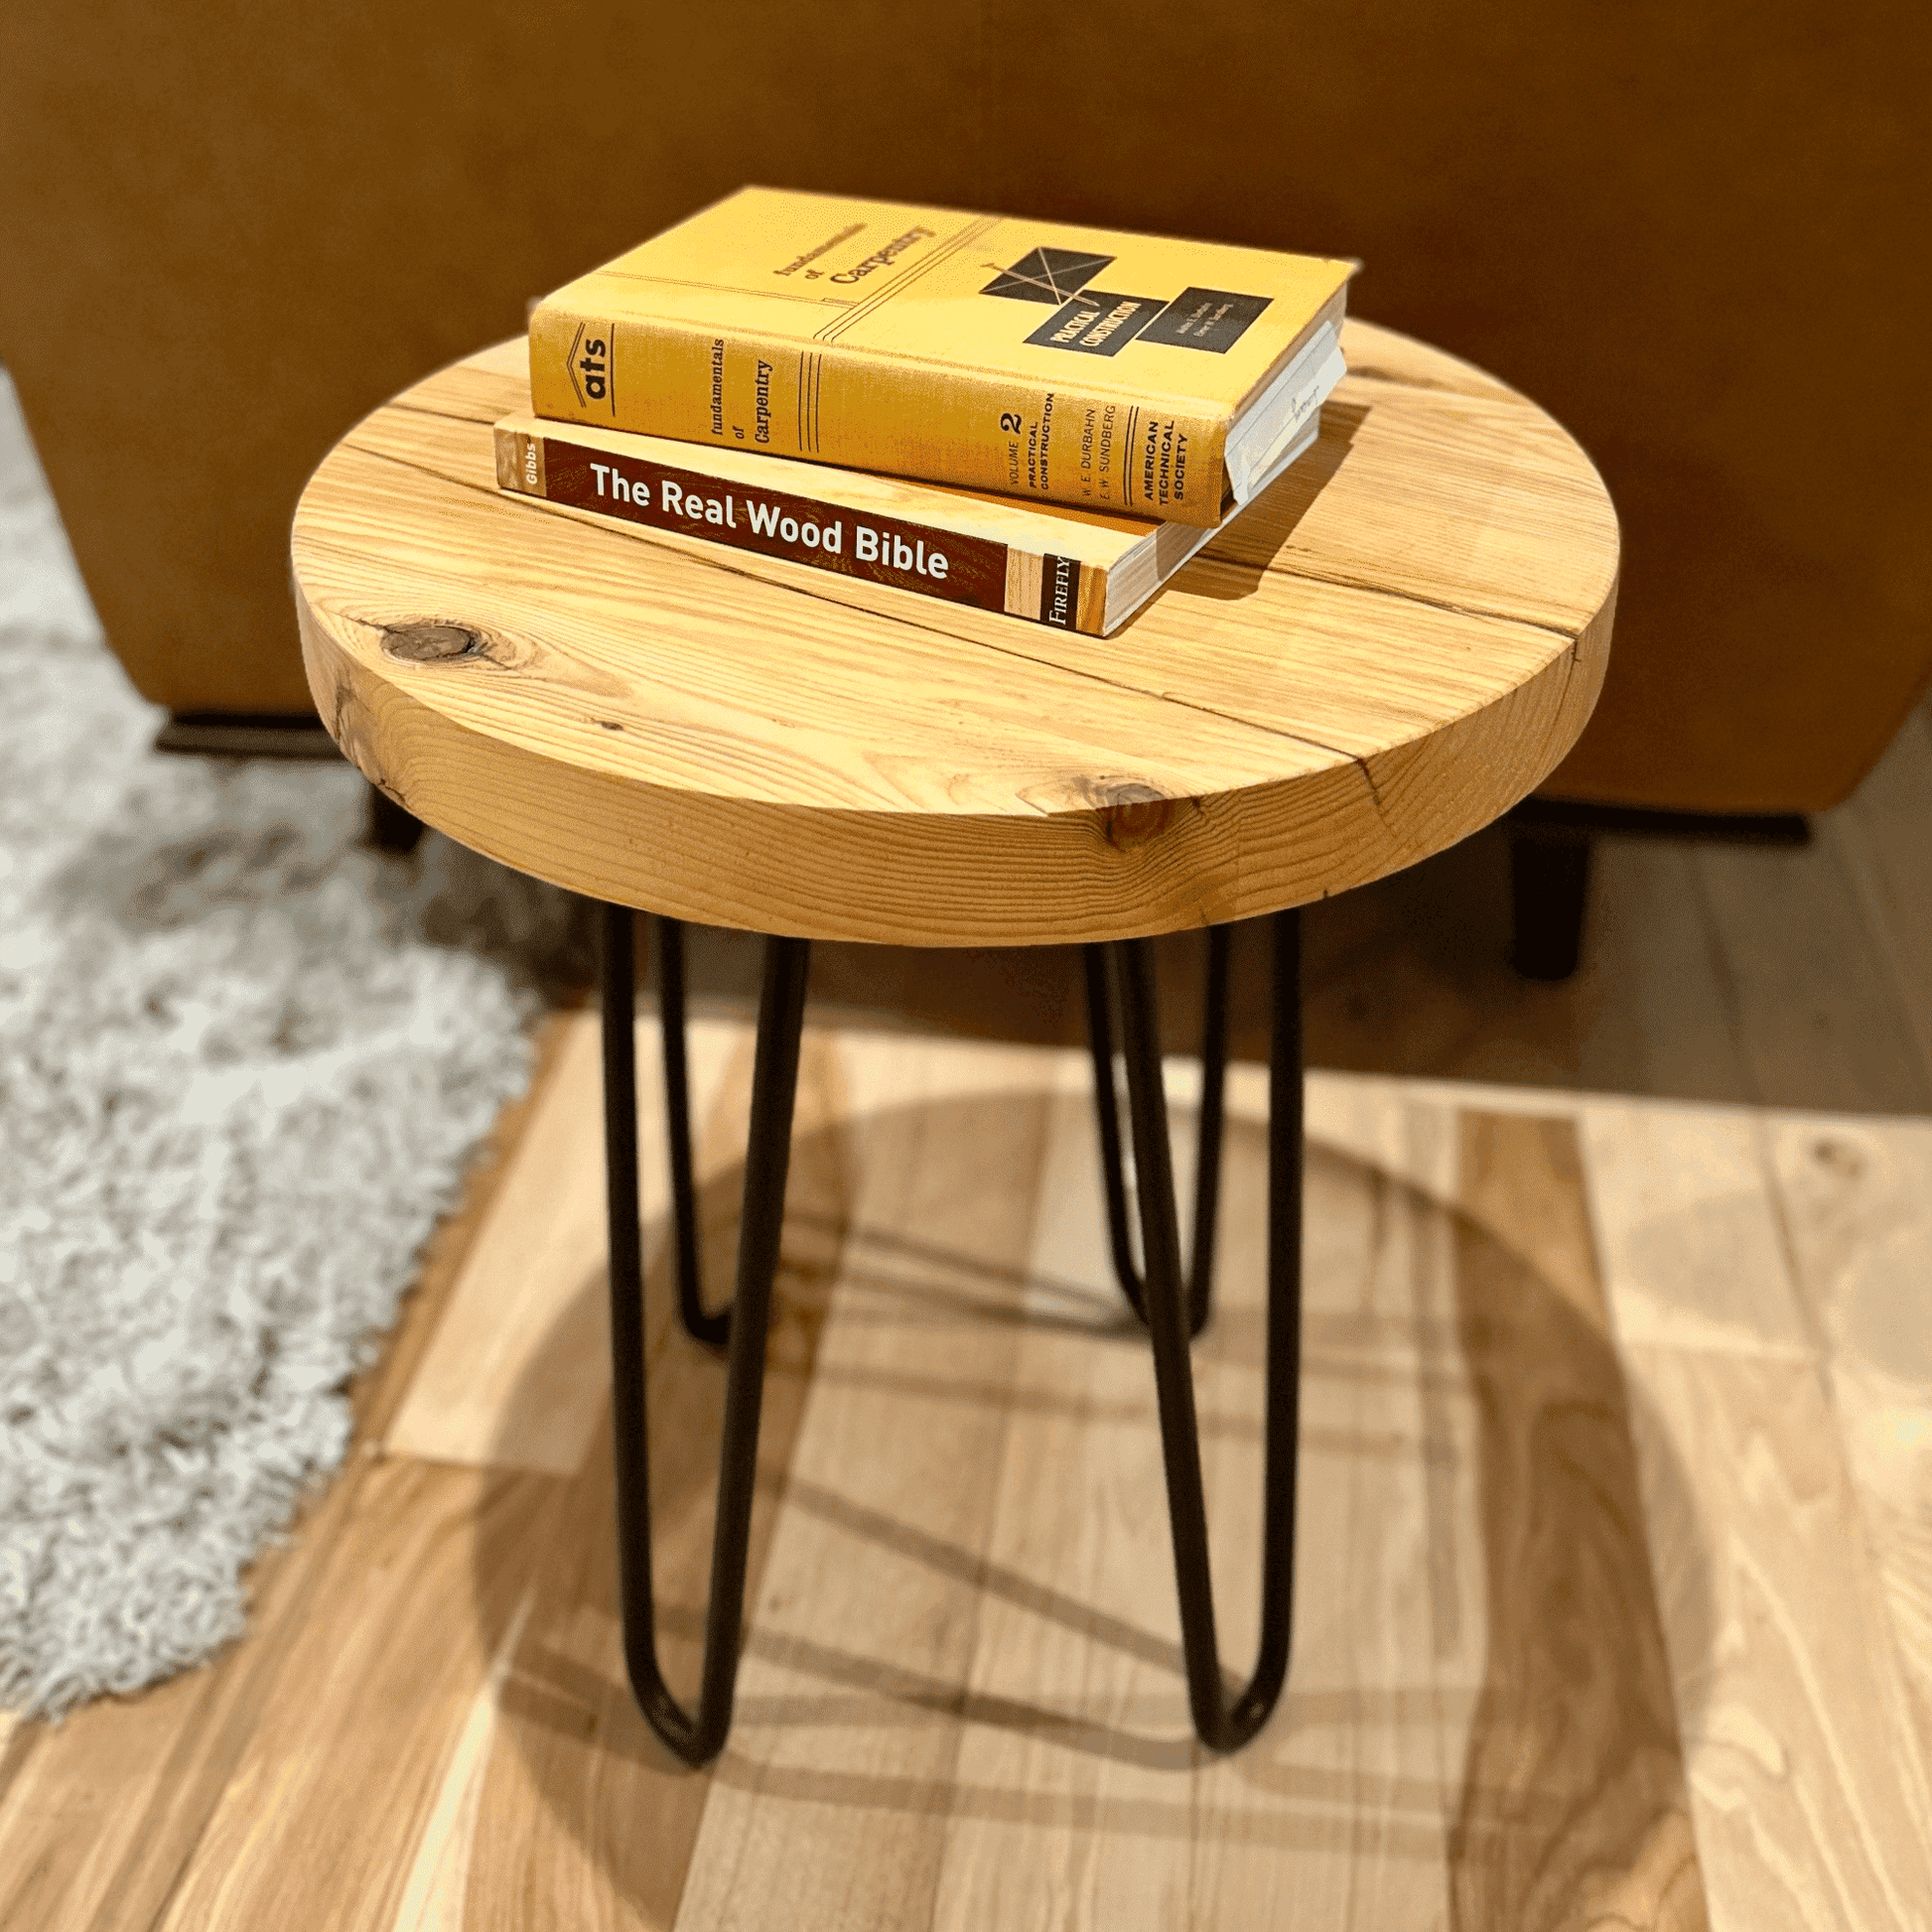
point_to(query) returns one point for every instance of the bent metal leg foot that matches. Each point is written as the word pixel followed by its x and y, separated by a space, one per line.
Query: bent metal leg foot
pixel 698 1736
pixel 1173 1305
pixel 1222 1723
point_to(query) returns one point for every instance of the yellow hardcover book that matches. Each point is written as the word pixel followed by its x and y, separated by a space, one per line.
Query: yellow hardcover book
pixel 1124 373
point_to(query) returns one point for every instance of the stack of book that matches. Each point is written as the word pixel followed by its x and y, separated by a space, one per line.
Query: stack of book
pixel 1027 417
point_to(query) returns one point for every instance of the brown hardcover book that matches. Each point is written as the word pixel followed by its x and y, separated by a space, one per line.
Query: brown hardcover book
pixel 1118 372
pixel 1079 569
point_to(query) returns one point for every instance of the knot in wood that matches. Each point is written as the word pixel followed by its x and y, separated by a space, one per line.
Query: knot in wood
pixel 1838 1158
pixel 433 643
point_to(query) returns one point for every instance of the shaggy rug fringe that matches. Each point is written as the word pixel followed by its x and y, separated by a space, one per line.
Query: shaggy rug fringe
pixel 243 1061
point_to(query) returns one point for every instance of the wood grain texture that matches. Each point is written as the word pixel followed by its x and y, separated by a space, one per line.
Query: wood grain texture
pixel 454 1247
pixel 1391 649
pixel 1807 1770
pixel 1691 1240
pixel 511 1374
pixel 1856 1202
pixel 973 1712
pixel 1879 837
pixel 1082 1799
pixel 582 1820
pixel 961 1703
pixel 1577 1721
pixel 518 1372
pixel 334 1778
pixel 1817 1004
pixel 1808 1787
pixel 100 1816
pixel 1071 1791
pixel 829 1804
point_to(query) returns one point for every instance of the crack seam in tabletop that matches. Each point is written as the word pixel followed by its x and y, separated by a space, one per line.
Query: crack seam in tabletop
pixel 1372 372
pixel 1357 759
pixel 1274 567
pixel 438 415
pixel 1277 569
pixel 913 624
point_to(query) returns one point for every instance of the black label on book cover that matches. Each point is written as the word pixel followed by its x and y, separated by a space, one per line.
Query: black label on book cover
pixel 1093 322
pixel 1209 319
pixel 591 366
pixel 776 523
pixel 1098 324
pixel 1047 275
pixel 1059 591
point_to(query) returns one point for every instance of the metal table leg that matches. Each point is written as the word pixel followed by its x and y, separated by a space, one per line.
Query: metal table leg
pixel 1097 960
pixel 1222 1724
pixel 1173 1306
pixel 697 1738
pixel 711 1326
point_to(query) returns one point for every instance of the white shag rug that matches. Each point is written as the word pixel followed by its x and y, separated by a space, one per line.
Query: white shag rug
pixel 243 1061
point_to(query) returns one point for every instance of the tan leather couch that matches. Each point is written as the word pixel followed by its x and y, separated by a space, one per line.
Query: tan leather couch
pixel 1690 230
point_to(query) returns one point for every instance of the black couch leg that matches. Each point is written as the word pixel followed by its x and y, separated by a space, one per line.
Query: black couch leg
pixel 1548 874
pixel 392 828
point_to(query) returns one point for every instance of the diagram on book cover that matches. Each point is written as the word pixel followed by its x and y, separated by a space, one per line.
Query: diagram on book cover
pixel 1047 275
pixel 1099 321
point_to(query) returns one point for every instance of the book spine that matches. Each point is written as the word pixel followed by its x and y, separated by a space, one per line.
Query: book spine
pixel 864 409
pixel 875 549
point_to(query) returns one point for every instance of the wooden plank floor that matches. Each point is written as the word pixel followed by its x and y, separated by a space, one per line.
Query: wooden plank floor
pixel 1614 1603
pixel 961 1703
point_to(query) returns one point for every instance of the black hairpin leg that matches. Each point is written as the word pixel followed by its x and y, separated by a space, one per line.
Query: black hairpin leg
pixel 1208 1144
pixel 1221 1723
pixel 782 1009
pixel 712 1327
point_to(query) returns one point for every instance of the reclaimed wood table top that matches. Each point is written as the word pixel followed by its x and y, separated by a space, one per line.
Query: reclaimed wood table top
pixel 1392 646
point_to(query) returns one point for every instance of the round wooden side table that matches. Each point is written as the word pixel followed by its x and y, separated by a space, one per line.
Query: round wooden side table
pixel 1385 653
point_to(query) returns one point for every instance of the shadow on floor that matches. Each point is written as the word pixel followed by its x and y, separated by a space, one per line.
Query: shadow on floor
pixel 1557 1696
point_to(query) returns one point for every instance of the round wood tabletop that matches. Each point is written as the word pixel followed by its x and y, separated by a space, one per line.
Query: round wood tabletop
pixel 1397 642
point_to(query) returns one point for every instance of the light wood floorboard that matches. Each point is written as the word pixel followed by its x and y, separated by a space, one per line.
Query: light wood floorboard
pixel 582 1819
pixel 1855 1198
pixel 1808 1775
pixel 1615 1592
pixel 1817 1004
pixel 516 1375
pixel 1880 836
pixel 961 1701
pixel 829 1805
pixel 342 1770
pixel 102 1813
pixel 1810 1794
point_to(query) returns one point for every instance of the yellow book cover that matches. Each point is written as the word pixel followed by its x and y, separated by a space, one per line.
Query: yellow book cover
pixel 1131 374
